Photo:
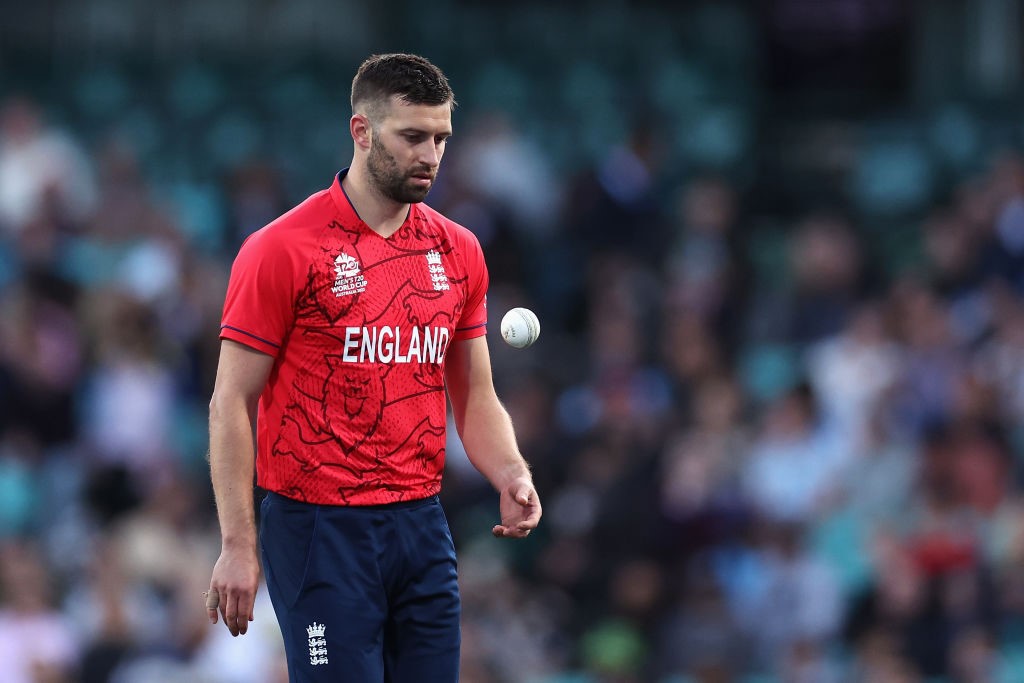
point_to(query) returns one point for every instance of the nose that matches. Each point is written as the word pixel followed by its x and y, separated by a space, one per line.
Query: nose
pixel 430 154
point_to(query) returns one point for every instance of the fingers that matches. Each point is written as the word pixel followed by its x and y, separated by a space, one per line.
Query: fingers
pixel 239 611
pixel 212 598
pixel 525 495
pixel 518 531
pixel 517 523
pixel 532 517
pixel 245 610
pixel 527 498
pixel 235 607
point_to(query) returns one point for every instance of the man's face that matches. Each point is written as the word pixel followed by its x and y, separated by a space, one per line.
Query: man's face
pixel 406 149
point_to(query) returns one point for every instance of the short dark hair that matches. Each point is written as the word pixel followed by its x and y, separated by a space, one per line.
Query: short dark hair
pixel 413 78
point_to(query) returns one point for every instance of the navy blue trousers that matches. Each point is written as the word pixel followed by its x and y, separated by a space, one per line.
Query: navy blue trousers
pixel 363 594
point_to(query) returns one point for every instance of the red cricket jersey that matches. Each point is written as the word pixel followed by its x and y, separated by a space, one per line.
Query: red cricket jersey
pixel 354 409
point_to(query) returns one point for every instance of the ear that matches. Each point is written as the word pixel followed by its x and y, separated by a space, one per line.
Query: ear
pixel 361 131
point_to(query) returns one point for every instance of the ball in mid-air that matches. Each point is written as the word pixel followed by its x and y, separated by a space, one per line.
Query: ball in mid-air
pixel 520 327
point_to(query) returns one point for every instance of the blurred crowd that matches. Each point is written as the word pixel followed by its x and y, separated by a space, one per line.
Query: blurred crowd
pixel 765 455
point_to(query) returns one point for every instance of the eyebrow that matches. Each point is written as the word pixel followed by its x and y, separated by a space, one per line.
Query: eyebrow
pixel 420 131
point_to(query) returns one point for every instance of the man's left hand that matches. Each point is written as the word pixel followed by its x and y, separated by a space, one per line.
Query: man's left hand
pixel 520 510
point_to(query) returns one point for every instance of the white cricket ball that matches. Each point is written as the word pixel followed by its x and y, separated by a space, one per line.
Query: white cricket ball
pixel 520 327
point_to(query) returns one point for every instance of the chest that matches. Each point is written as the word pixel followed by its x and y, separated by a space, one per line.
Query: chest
pixel 400 284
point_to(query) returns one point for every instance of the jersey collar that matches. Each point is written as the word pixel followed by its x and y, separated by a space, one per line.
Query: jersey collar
pixel 344 204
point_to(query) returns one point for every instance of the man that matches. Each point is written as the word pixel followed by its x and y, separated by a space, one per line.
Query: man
pixel 344 322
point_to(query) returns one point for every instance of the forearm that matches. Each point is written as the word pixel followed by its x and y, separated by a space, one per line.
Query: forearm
pixel 488 436
pixel 232 462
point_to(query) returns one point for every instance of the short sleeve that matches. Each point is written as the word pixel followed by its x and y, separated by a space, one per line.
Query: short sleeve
pixel 473 322
pixel 259 305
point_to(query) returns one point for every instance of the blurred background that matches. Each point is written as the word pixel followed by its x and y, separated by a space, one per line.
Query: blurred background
pixel 777 247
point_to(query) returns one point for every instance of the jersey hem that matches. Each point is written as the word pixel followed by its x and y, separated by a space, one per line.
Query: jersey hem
pixel 375 499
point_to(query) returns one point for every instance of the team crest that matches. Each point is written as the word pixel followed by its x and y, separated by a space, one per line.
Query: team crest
pixel 317 644
pixel 348 279
pixel 438 276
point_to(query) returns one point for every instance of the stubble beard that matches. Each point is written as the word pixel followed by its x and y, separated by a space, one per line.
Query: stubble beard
pixel 389 180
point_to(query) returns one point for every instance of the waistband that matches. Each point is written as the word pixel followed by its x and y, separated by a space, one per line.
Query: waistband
pixel 397 505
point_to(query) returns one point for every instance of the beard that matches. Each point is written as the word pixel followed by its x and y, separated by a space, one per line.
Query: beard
pixel 390 180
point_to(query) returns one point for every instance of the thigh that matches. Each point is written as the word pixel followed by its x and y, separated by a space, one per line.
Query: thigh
pixel 326 588
pixel 423 633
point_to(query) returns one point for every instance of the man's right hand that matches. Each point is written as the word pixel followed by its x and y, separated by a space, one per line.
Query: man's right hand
pixel 234 582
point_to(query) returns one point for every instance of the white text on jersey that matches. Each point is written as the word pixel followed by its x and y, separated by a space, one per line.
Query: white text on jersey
pixel 387 344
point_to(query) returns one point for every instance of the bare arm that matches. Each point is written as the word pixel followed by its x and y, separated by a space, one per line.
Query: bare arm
pixel 487 433
pixel 241 375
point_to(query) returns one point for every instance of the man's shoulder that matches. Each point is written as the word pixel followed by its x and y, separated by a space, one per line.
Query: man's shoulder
pixel 453 230
pixel 310 214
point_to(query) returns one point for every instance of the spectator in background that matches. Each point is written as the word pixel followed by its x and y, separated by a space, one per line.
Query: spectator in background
pixel 613 206
pixel 797 461
pixel 999 361
pixel 502 167
pixel 698 636
pixel 828 267
pixel 256 195
pixel 931 363
pixel 37 644
pixel 39 165
pixel 702 466
pixel 788 580
pixel 42 357
pixel 852 370
pixel 706 267
pixel 131 393
pixel 1004 248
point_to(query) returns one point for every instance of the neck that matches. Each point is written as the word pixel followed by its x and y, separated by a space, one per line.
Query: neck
pixel 383 215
